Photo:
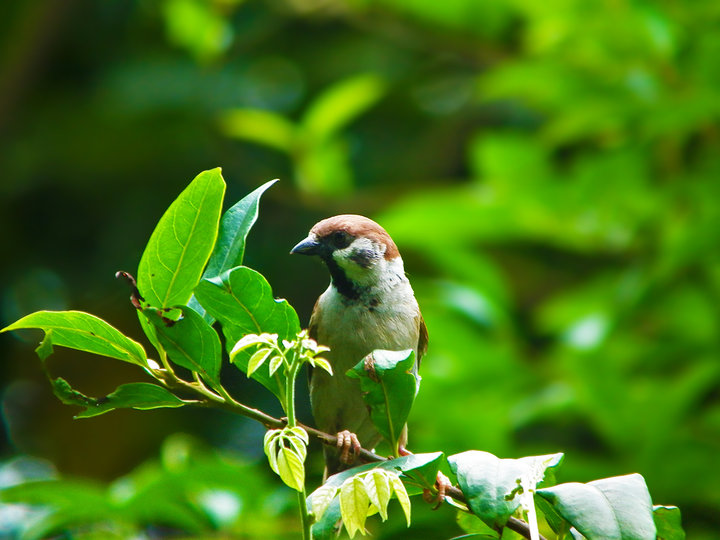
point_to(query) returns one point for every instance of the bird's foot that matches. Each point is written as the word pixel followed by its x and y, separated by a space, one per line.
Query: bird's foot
pixel 442 483
pixel 347 441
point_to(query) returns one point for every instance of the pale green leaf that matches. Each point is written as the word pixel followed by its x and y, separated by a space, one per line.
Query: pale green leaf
pixel 257 359
pixel 354 503
pixel 377 487
pixel 401 494
pixel 323 364
pixel 275 363
pixel 290 468
pixel 323 496
pixel 301 434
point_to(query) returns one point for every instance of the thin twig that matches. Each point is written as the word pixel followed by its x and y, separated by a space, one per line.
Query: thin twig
pixel 514 524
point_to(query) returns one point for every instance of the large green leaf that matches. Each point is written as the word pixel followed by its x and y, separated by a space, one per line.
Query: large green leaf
pixel 81 331
pixel 389 382
pixel 142 396
pixel 419 472
pixel 241 299
pixel 490 483
pixel 182 242
pixel 617 508
pixel 189 341
pixel 230 245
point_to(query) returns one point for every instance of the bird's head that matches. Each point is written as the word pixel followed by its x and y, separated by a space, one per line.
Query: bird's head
pixel 358 252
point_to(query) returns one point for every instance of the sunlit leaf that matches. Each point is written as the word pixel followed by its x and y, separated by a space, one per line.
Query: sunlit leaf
pixel 257 359
pixel 377 487
pixel 611 508
pixel 229 249
pixel 490 484
pixel 182 242
pixel 399 489
pixel 354 505
pixel 290 468
pixel 322 497
pixel 81 331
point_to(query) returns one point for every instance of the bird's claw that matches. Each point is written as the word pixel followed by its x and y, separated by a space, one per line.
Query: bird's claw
pixel 347 441
pixel 442 483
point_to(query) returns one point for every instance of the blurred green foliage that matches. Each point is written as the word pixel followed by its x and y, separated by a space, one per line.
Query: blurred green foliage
pixel 549 171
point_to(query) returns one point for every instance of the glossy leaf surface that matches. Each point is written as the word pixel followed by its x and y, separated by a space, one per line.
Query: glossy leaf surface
pixel 182 242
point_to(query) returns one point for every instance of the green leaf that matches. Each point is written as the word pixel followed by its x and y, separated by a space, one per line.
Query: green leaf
pixel 354 505
pixel 418 471
pixel 290 468
pixel 377 487
pixel 181 243
pixel 141 396
pixel 257 359
pixel 611 508
pixel 399 488
pixel 235 225
pixel 341 103
pixel 475 527
pixel 260 126
pixel 81 331
pixel 668 522
pixel 490 483
pixel 69 396
pixel 325 526
pixel 229 249
pixel 241 299
pixel 323 496
pixel 389 382
pixel 190 342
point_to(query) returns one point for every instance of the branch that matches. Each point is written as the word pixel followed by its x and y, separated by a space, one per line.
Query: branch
pixel 211 399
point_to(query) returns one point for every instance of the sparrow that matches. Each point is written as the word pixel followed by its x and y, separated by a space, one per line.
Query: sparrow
pixel 368 305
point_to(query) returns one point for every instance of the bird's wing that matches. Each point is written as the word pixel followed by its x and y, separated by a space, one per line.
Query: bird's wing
pixel 422 339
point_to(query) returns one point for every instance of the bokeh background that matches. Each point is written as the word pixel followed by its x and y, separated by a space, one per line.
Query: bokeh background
pixel 550 171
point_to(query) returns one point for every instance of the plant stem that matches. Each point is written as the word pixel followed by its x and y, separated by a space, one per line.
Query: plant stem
pixel 292 422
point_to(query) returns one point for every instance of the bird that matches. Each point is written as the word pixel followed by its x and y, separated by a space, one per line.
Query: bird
pixel 368 305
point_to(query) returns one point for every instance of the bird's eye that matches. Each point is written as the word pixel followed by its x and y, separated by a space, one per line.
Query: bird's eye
pixel 340 239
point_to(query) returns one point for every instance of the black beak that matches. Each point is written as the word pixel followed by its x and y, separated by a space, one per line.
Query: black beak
pixel 309 246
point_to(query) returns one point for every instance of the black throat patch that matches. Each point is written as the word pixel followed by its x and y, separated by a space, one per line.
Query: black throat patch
pixel 340 281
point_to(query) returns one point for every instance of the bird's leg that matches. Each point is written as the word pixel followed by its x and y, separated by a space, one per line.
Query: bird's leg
pixel 442 483
pixel 347 441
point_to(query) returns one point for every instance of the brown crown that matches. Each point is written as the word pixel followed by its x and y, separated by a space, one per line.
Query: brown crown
pixel 357 226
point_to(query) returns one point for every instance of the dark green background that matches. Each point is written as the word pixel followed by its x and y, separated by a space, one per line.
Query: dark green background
pixel 550 171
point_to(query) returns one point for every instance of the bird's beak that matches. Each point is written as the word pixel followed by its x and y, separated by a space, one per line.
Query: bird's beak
pixel 309 246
